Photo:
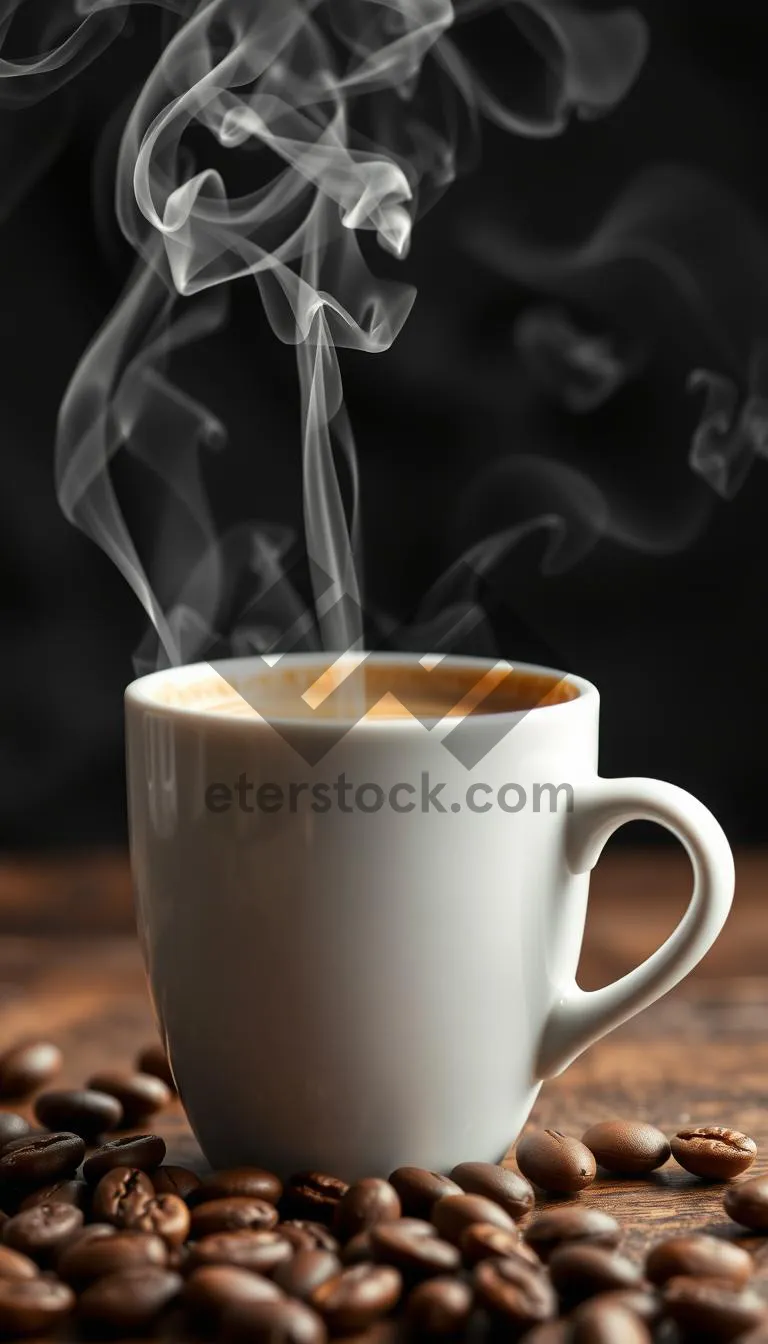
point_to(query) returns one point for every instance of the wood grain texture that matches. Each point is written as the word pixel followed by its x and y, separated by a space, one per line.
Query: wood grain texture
pixel 701 1055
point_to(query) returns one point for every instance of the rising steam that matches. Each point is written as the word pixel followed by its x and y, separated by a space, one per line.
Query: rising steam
pixel 270 141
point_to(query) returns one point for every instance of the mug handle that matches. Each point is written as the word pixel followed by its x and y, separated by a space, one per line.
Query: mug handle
pixel 580 1018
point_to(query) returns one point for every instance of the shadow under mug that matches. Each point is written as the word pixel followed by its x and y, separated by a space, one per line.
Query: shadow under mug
pixel 357 988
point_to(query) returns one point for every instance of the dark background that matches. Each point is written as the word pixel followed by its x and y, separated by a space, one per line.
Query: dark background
pixel 658 589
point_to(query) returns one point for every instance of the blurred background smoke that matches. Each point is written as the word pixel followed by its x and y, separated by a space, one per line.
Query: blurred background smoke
pixel 584 371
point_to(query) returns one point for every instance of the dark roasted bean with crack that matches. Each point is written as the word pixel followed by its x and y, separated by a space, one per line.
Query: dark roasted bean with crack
pixel 714 1153
pixel 580 1271
pixel 120 1190
pixel 453 1213
pixel 129 1300
pixel 145 1151
pixel 480 1241
pixel 300 1275
pixel 33 1306
pixel 211 1289
pixel 419 1189
pixel 365 1204
pixel 252 1182
pixel 283 1322
pixel 170 1180
pixel 439 1308
pixel 698 1256
pixel 413 1247
pixel 747 1203
pixel 42 1231
pixel 567 1226
pixel 139 1094
pixel 515 1291
pixel 92 1258
pixel 28 1066
pixel 507 1188
pixel 37 1160
pixel 79 1110
pixel 227 1215
pixel 306 1235
pixel 712 1308
pixel 555 1162
pixel 72 1191
pixel 166 1216
pixel 358 1296
pixel 313 1195
pixel 261 1250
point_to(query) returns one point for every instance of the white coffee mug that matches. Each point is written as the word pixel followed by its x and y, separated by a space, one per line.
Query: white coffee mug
pixel 354 990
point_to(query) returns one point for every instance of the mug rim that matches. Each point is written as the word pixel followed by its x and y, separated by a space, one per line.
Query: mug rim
pixel 139 693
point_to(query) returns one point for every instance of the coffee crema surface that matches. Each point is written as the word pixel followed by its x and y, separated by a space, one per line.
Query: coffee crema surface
pixel 373 691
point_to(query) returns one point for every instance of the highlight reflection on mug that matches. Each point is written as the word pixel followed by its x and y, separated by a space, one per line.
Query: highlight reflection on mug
pixel 345 795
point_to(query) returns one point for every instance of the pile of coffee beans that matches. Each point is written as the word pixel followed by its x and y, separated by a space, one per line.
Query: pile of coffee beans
pixel 101 1238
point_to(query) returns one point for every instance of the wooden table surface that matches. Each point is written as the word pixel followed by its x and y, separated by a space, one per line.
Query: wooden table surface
pixel 70 970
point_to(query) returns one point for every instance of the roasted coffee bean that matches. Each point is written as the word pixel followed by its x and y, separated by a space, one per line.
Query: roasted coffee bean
pixel 506 1188
pixel 712 1152
pixel 698 1256
pixel 413 1247
pixel 33 1306
pixel 365 1204
pixel 480 1241
pixel 120 1190
pixel 419 1189
pixel 42 1231
pixel 551 1332
pixel 644 1301
pixel 555 1162
pixel 12 1126
pixel 90 1258
pixel 39 1160
pixel 580 1271
pixel 261 1250
pixel 145 1151
pixel 139 1094
pixel 74 1192
pixel 303 1272
pixel 313 1195
pixel 131 1299
pixel 306 1235
pixel 627 1147
pixel 153 1060
pixel 439 1308
pixel 227 1215
pixel 81 1111
pixel 712 1308
pixel 453 1213
pixel 28 1066
pixel 170 1180
pixel 569 1225
pixel 253 1182
pixel 211 1289
pixel 357 1296
pixel 14 1265
pixel 89 1232
pixel 747 1203
pixel 601 1322
pixel 358 1249
pixel 515 1291
pixel 166 1216
pixel 283 1322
